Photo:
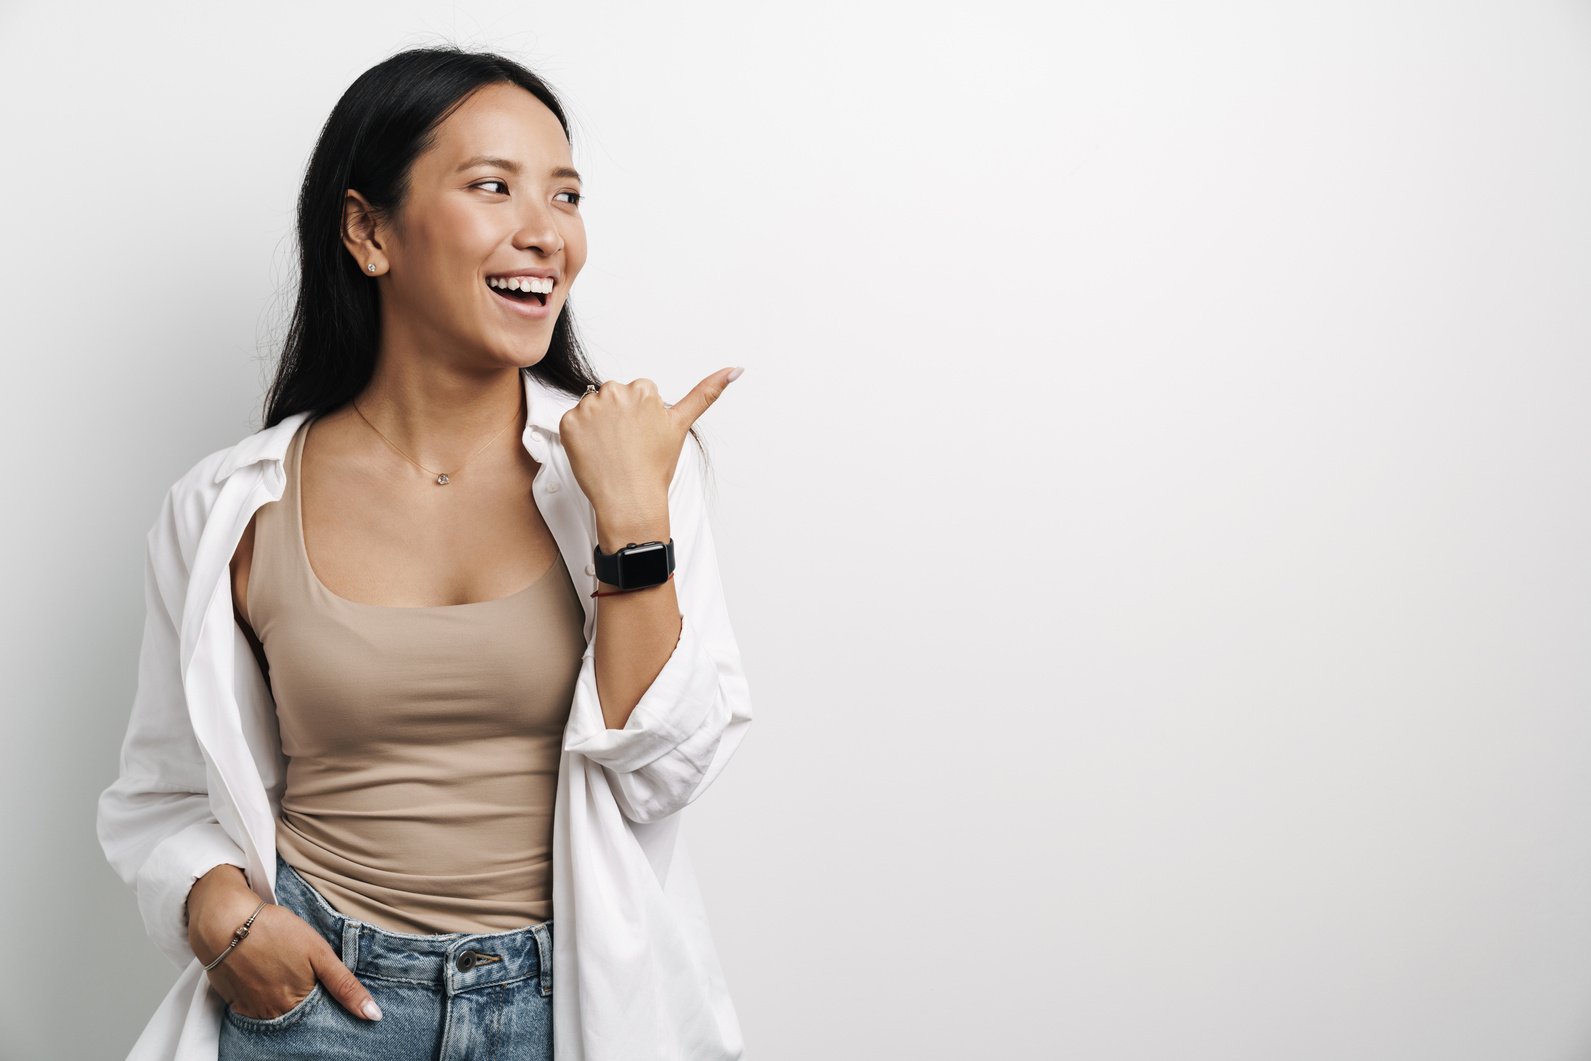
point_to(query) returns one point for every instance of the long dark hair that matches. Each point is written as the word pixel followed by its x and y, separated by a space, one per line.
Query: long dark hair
pixel 382 123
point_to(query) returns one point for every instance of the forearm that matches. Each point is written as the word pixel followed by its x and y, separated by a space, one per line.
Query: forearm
pixel 637 630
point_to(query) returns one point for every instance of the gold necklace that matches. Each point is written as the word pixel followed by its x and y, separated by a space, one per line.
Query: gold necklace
pixel 442 478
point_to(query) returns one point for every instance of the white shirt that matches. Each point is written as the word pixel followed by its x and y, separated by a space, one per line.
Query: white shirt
pixel 635 971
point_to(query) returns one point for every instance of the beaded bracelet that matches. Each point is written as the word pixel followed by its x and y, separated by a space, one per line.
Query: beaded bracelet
pixel 237 937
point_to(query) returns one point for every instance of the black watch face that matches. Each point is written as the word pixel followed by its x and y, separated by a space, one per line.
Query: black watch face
pixel 644 565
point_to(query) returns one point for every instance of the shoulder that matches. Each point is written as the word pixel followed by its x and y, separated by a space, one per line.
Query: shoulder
pixel 194 492
pixel 172 541
pixel 190 500
pixel 201 475
pixel 202 483
pixel 191 497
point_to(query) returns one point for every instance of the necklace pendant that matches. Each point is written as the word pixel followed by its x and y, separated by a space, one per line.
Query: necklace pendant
pixel 441 480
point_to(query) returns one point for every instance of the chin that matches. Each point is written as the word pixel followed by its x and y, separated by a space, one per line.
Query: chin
pixel 523 355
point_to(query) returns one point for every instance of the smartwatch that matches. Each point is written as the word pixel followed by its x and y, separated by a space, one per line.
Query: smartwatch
pixel 637 565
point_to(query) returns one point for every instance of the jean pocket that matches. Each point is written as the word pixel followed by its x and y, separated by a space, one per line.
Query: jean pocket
pixel 281 1020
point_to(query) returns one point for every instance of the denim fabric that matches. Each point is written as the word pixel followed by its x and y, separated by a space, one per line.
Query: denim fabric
pixel 454 997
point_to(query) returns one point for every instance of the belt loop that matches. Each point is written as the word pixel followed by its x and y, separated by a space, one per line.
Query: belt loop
pixel 351 944
pixel 544 951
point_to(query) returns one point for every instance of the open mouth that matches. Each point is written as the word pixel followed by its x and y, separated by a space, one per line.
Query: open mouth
pixel 520 296
pixel 519 290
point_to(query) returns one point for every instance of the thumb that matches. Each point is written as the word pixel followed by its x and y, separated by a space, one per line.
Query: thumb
pixel 705 393
pixel 342 984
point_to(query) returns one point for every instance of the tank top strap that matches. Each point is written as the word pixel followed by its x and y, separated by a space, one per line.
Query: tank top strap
pixel 277 573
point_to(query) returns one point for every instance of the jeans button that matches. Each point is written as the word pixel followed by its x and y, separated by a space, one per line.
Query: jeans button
pixel 466 962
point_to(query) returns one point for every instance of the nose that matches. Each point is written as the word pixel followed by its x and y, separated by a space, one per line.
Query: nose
pixel 538 229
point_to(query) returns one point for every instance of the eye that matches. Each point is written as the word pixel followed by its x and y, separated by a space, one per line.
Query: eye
pixel 574 201
pixel 483 184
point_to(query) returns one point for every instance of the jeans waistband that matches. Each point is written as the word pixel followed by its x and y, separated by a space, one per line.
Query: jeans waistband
pixel 454 962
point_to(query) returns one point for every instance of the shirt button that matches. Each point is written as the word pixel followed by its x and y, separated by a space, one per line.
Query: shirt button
pixel 552 488
pixel 466 962
pixel 591 569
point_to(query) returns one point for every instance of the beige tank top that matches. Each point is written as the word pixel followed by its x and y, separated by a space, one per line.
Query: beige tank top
pixel 422 743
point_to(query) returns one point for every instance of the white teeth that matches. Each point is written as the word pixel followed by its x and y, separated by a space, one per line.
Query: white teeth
pixel 542 285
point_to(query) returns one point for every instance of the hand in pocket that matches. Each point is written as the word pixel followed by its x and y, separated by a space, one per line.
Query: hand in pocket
pixel 279 963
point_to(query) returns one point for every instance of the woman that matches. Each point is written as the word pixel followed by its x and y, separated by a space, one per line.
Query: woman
pixel 353 803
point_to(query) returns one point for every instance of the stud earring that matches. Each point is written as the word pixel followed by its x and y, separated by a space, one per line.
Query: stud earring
pixel 371 267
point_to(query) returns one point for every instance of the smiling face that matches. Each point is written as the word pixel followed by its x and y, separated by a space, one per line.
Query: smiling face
pixel 494 197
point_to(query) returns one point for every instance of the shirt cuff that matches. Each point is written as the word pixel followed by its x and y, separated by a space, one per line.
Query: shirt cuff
pixel 168 875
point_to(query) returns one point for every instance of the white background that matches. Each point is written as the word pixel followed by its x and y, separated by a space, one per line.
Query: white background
pixel 1154 512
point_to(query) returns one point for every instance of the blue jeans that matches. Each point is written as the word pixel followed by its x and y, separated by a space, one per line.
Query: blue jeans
pixel 454 997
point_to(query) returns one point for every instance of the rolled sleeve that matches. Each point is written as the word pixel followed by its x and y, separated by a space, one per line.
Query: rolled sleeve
pixel 691 719
pixel 168 875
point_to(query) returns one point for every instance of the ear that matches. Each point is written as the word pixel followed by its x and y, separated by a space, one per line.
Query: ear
pixel 360 233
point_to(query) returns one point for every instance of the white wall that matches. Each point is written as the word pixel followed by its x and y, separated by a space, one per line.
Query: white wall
pixel 1153 513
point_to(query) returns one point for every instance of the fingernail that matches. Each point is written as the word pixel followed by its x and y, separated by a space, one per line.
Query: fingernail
pixel 736 374
pixel 372 1010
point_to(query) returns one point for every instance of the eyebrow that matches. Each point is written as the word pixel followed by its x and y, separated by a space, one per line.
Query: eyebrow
pixel 514 167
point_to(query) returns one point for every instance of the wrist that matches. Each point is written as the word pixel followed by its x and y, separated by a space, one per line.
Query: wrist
pixel 613 535
pixel 217 904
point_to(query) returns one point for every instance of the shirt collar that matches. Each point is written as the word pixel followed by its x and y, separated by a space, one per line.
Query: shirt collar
pixel 545 404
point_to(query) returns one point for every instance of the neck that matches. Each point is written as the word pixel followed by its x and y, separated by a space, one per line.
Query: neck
pixel 436 413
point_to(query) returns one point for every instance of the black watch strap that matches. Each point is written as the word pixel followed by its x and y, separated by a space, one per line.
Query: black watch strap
pixel 636 566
